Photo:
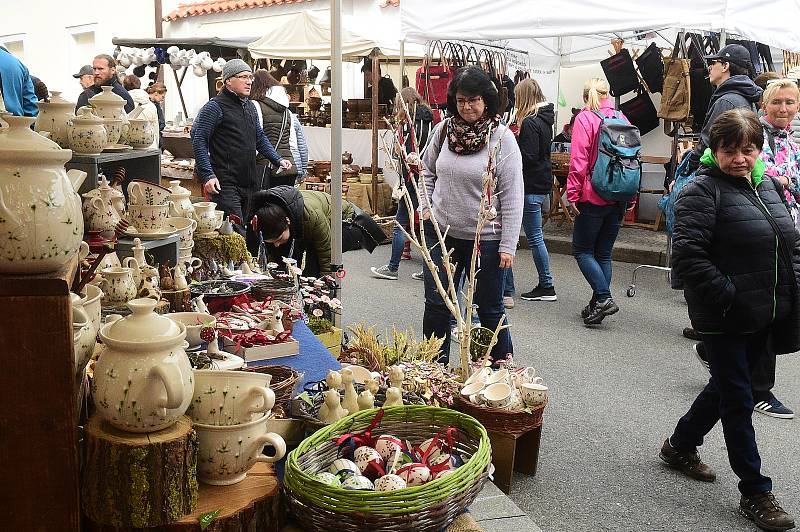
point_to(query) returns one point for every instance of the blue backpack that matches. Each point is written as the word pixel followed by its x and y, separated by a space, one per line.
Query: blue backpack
pixel 618 170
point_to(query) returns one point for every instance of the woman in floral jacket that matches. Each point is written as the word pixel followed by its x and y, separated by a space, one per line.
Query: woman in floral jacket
pixel 781 154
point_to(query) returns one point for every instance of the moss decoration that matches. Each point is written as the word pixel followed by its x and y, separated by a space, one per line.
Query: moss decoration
pixel 221 248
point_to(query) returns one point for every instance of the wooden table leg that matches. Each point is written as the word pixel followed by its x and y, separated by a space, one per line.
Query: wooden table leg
pixel 528 458
pixel 503 451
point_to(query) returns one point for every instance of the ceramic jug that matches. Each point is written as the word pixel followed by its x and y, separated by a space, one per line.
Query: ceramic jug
pixel 180 203
pixel 99 212
pixel 87 133
pixel 41 225
pixel 118 285
pixel 143 381
pixel 141 133
pixel 54 116
pixel 109 105
pixel 117 197
pixel 206 217
pixel 84 335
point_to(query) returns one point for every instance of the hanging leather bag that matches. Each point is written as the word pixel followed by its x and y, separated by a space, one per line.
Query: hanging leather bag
pixel 675 98
pixel 620 73
pixel 641 112
pixel 651 68
pixel 434 76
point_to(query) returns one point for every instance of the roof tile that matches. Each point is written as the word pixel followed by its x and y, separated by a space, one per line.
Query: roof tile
pixel 208 7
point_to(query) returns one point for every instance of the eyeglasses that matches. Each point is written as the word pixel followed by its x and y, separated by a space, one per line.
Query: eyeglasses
pixel 245 77
pixel 472 102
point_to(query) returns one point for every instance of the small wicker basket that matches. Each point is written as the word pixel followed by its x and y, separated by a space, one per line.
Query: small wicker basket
pixel 283 382
pixel 500 419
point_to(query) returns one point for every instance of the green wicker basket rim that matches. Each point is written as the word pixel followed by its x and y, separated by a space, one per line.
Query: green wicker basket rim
pixel 306 487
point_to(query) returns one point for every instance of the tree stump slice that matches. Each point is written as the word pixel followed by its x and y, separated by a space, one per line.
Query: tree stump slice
pixel 139 480
pixel 252 505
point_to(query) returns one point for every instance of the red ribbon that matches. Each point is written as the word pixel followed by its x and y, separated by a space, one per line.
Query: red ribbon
pixel 254 337
pixel 363 438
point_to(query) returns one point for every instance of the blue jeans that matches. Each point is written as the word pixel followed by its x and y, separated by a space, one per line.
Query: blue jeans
pixel 596 229
pixel 508 283
pixel 398 238
pixel 532 224
pixel 728 397
pixel 488 292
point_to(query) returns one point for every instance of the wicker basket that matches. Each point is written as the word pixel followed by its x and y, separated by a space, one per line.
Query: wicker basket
pixel 280 289
pixel 501 420
pixel 283 382
pixel 430 507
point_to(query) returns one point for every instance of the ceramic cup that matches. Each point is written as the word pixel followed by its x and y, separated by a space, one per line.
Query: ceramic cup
pixel 144 193
pixel 230 397
pixel 91 301
pixel 501 375
pixel 148 218
pixel 534 394
pixel 228 452
pixel 118 285
pixel 185 228
pixel 518 379
pixel 471 389
pixel 479 376
pixel 525 374
pixel 194 321
pixel 498 395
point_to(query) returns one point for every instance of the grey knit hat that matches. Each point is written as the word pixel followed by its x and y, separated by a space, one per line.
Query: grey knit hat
pixel 233 67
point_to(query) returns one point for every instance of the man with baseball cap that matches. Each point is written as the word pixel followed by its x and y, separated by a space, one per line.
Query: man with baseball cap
pixel 730 70
pixel 85 76
pixel 225 137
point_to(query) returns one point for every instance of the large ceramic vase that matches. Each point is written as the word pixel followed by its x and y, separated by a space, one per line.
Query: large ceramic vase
pixel 53 117
pixel 41 224
pixel 143 381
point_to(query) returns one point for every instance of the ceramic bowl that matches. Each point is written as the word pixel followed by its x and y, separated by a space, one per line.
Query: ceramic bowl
pixel 471 389
pixel 498 395
pixel 228 452
pixel 194 321
pixel 224 397
pixel 92 302
pixel 148 218
pixel 184 227
pixel 146 193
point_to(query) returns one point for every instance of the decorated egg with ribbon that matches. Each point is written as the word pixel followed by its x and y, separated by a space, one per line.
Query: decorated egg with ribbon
pixel 435 451
pixel 390 483
pixel 387 445
pixel 415 474
pixel 328 478
pixel 442 474
pixel 357 482
pixel 369 462
pixel 343 465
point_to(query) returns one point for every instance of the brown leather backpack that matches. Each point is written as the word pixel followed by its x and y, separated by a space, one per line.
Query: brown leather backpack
pixel 676 95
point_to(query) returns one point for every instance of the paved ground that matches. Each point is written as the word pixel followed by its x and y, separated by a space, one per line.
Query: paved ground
pixel 616 392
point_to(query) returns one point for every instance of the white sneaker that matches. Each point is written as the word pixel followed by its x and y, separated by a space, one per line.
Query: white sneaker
pixel 419 276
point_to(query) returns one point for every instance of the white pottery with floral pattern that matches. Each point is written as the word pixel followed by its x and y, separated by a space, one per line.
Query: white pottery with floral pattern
pixel 87 133
pixel 99 211
pixel 54 116
pixel 230 397
pixel 180 203
pixel 113 130
pixel 143 381
pixel 91 301
pixel 141 133
pixel 206 217
pixel 185 227
pixel 228 452
pixel 118 285
pixel 148 218
pixel 41 225
pixel 117 197
pixel 84 335
pixel 107 104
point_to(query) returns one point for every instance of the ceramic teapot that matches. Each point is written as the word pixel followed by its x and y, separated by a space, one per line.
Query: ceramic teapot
pixel 100 213
pixel 41 225
pixel 87 133
pixel 180 204
pixel 109 105
pixel 54 116
pixel 143 381
pixel 118 285
pixel 117 197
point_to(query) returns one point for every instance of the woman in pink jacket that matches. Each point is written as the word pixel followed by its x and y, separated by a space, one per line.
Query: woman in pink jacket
pixel 597 221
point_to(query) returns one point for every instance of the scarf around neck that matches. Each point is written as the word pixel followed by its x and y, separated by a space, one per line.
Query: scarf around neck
pixel 465 138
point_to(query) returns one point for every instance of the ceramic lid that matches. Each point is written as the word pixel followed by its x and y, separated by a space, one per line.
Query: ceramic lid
pixel 56 101
pixel 143 325
pixel 87 118
pixel 19 141
pixel 107 97
pixel 177 190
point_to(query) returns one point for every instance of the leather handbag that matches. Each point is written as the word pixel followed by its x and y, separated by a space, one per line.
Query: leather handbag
pixel 651 68
pixel 434 76
pixel 641 112
pixel 620 73
pixel 675 98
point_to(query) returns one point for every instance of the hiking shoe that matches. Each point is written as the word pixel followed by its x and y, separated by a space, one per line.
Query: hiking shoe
pixel 508 301
pixel 764 510
pixel 773 408
pixel 691 334
pixel 588 309
pixel 419 276
pixel 384 273
pixel 687 462
pixel 600 311
pixel 700 354
pixel 544 294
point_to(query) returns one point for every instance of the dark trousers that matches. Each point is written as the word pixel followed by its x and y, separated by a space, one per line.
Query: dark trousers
pixel 235 199
pixel 728 397
pixel 593 236
pixel 488 292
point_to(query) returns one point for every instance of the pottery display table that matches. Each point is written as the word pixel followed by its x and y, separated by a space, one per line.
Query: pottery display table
pixel 164 250
pixel 139 164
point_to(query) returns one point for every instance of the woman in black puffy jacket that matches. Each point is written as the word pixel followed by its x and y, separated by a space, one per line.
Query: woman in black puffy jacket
pixel 735 247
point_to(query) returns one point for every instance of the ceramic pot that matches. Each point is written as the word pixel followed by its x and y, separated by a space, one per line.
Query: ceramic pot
pixel 91 303
pixel 230 397
pixel 206 217
pixel 87 133
pixel 41 225
pixel 53 117
pixel 117 197
pixel 148 218
pixel 113 130
pixel 118 285
pixel 194 322
pixel 99 213
pixel 228 452
pixel 109 105
pixel 180 203
pixel 141 133
pixel 143 381
pixel 84 336
pixel 185 227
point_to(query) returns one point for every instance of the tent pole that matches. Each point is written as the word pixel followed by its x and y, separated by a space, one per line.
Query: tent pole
pixel 723 37
pixel 376 79
pixel 402 62
pixel 336 139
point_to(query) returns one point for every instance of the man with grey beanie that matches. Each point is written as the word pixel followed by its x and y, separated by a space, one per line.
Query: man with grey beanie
pixel 225 137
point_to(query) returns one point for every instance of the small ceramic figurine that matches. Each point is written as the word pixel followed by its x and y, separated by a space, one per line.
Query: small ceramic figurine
pixel 227 272
pixel 179 278
pixel 366 400
pixel 199 305
pixel 332 410
pixel 246 268
pixel 396 377
pixel 333 380
pixel 394 397
pixel 373 385
pixel 350 396
pixel 274 318
pixel 166 278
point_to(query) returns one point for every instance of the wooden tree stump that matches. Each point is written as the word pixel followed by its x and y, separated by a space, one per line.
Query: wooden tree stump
pixel 139 480
pixel 179 300
pixel 253 504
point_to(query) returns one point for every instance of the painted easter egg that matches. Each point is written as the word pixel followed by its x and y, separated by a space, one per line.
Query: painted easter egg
pixel 414 474
pixel 389 483
pixel 387 445
pixel 343 465
pixel 328 478
pixel 357 482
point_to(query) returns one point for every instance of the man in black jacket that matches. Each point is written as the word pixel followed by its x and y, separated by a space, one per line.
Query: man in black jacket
pixel 105 73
